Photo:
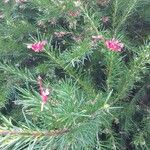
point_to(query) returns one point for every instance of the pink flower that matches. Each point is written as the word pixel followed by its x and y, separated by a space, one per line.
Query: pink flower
pixel 38 46
pixel 114 45
pixel 44 93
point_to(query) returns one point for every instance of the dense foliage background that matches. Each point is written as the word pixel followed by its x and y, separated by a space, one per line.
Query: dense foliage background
pixel 74 74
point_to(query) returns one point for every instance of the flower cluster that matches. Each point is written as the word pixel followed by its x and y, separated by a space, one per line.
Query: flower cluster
pixel 112 44
pixel 43 92
pixel 38 46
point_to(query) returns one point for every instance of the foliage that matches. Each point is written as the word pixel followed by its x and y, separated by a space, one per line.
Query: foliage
pixel 94 90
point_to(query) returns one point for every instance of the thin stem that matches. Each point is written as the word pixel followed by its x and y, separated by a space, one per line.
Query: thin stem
pixel 35 133
pixel 110 67
pixel 138 65
pixel 90 20
pixel 125 16
pixel 114 14
pixel 75 76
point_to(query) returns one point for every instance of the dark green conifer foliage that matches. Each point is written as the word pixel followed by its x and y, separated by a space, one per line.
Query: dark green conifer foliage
pixel 98 97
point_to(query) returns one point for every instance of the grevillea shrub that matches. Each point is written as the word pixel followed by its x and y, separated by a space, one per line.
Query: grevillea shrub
pixel 74 75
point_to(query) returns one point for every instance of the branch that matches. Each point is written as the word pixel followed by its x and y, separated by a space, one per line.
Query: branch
pixel 34 133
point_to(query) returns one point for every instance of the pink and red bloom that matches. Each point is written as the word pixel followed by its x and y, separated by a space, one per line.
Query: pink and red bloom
pixel 114 45
pixel 44 93
pixel 38 46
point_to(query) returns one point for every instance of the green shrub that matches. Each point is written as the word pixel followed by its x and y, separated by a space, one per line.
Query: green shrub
pixel 89 71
